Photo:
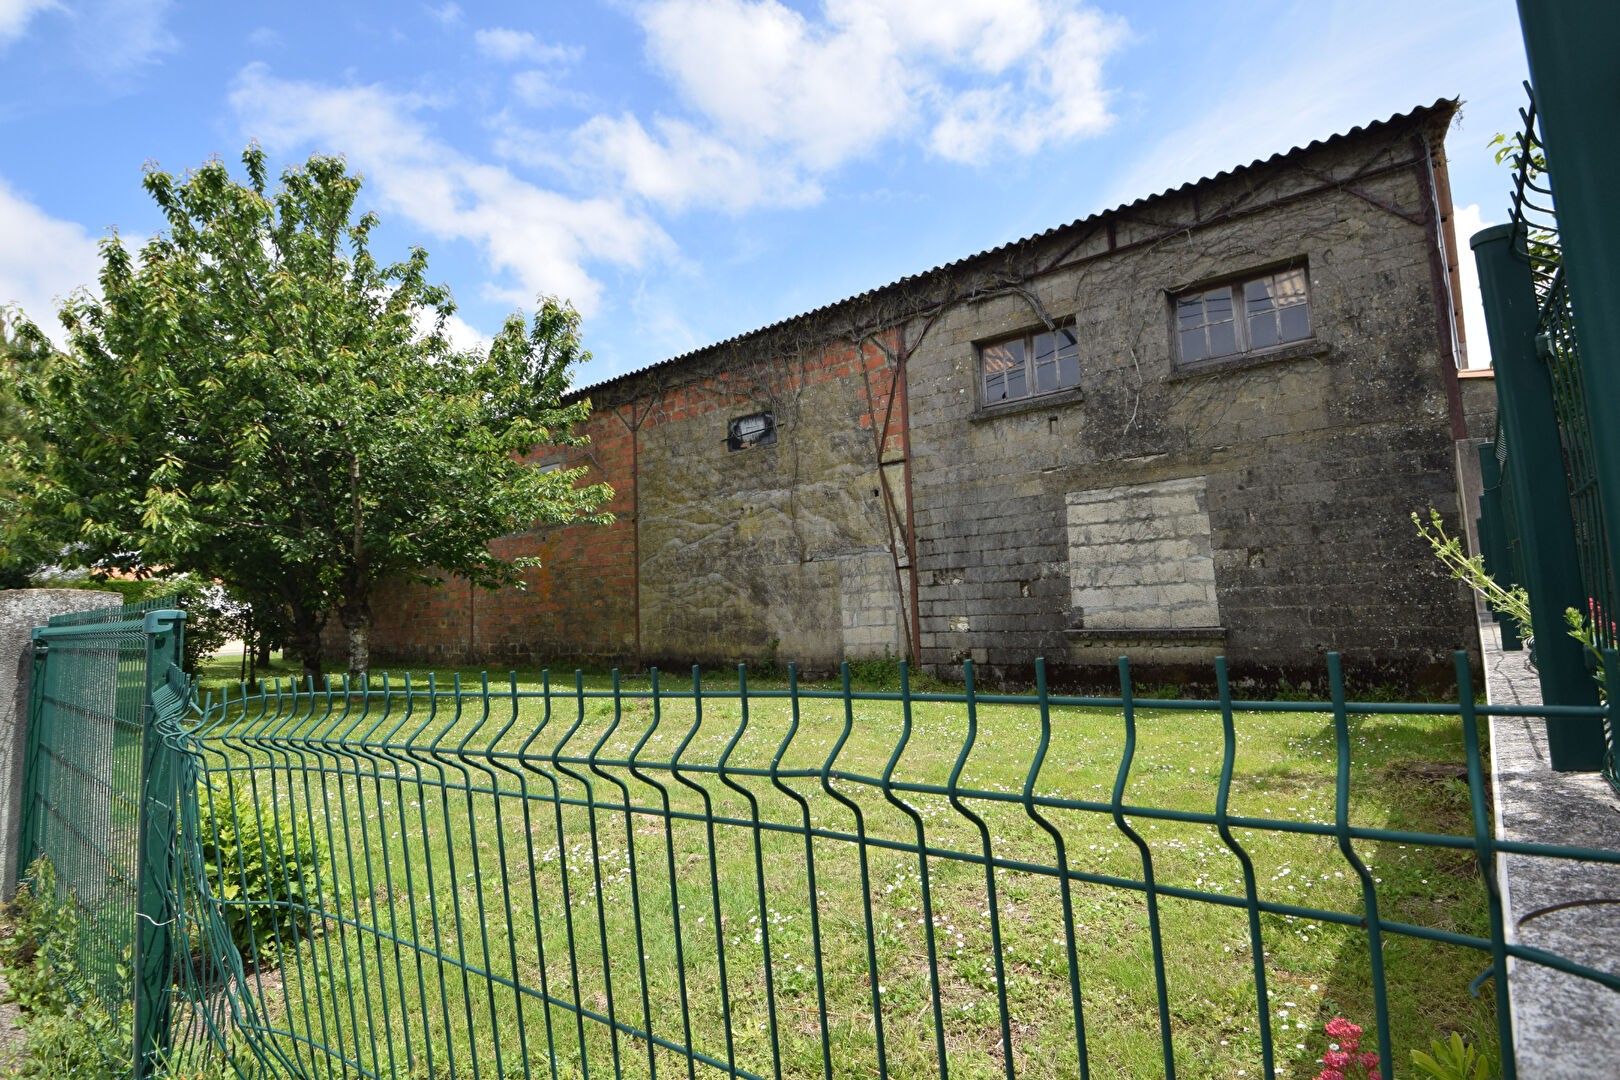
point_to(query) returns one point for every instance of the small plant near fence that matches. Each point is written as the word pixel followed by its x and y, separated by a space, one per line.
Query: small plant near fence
pixel 70 1031
pixel 267 874
pixel 1470 570
pixel 1456 1059
pixel 1592 628
pixel 1344 1059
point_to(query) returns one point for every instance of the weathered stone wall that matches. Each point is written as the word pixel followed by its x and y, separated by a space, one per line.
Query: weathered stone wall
pixel 1479 417
pixel 1311 457
pixel 1301 465
pixel 768 551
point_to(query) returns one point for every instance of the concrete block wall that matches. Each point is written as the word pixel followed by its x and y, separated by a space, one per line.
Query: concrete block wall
pixel 1311 457
pixel 1139 557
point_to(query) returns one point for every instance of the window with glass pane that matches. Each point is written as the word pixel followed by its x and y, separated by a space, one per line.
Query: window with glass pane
pixel 1276 311
pixel 1029 365
pixel 1207 326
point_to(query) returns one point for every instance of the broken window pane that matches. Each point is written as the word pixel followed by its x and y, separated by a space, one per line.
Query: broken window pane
pixel 758 429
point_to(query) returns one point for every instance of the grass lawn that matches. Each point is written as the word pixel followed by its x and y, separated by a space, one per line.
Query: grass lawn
pixel 467 895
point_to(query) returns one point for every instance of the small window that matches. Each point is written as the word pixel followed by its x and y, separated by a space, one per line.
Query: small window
pixel 1030 364
pixel 1243 316
pixel 758 429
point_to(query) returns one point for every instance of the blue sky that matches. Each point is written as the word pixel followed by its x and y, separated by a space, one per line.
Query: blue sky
pixel 686 170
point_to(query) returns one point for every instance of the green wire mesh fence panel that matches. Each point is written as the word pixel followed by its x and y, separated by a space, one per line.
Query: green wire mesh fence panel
pixel 1558 343
pixel 1560 349
pixel 421 878
pixel 81 798
pixel 98 811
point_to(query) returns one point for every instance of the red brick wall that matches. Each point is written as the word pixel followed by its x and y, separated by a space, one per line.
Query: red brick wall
pixel 579 604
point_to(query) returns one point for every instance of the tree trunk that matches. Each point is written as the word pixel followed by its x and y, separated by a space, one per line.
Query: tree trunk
pixel 359 649
pixel 355 610
pixel 306 639
pixel 356 618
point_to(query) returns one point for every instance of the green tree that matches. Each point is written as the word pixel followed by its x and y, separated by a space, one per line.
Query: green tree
pixel 22 551
pixel 255 399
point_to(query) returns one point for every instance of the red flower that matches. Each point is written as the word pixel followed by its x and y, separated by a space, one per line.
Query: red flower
pixel 1347 1034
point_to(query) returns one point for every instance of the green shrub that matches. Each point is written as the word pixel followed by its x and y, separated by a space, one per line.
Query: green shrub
pixel 82 1041
pixel 70 1033
pixel 39 950
pixel 266 876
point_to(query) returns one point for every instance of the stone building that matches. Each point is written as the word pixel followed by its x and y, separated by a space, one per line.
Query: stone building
pixel 1190 426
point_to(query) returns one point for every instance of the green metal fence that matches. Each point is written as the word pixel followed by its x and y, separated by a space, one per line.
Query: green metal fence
pixel 1558 347
pixel 101 680
pixel 508 881
pixel 424 878
pixel 1550 507
pixel 1560 350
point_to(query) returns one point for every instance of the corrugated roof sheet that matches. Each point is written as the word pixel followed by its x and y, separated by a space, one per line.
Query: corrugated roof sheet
pixel 1442 107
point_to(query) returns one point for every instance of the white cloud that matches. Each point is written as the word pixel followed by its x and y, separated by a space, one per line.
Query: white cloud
pixel 681 166
pixel 539 90
pixel 762 72
pixel 975 75
pixel 538 241
pixel 14 16
pixel 512 46
pixel 116 36
pixel 461 334
pixel 771 100
pixel 1060 97
pixel 1467 221
pixel 43 259
pixel 446 14
pixel 111 37
pixel 778 100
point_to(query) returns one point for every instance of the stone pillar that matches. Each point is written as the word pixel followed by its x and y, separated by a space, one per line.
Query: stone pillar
pixel 20 611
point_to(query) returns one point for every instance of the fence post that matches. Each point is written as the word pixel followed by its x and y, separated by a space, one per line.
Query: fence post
pixel 1541 494
pixel 155 905
pixel 1571 46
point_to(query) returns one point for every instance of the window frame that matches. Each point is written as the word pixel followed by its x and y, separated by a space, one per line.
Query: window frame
pixel 737 440
pixel 1238 284
pixel 1027 361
